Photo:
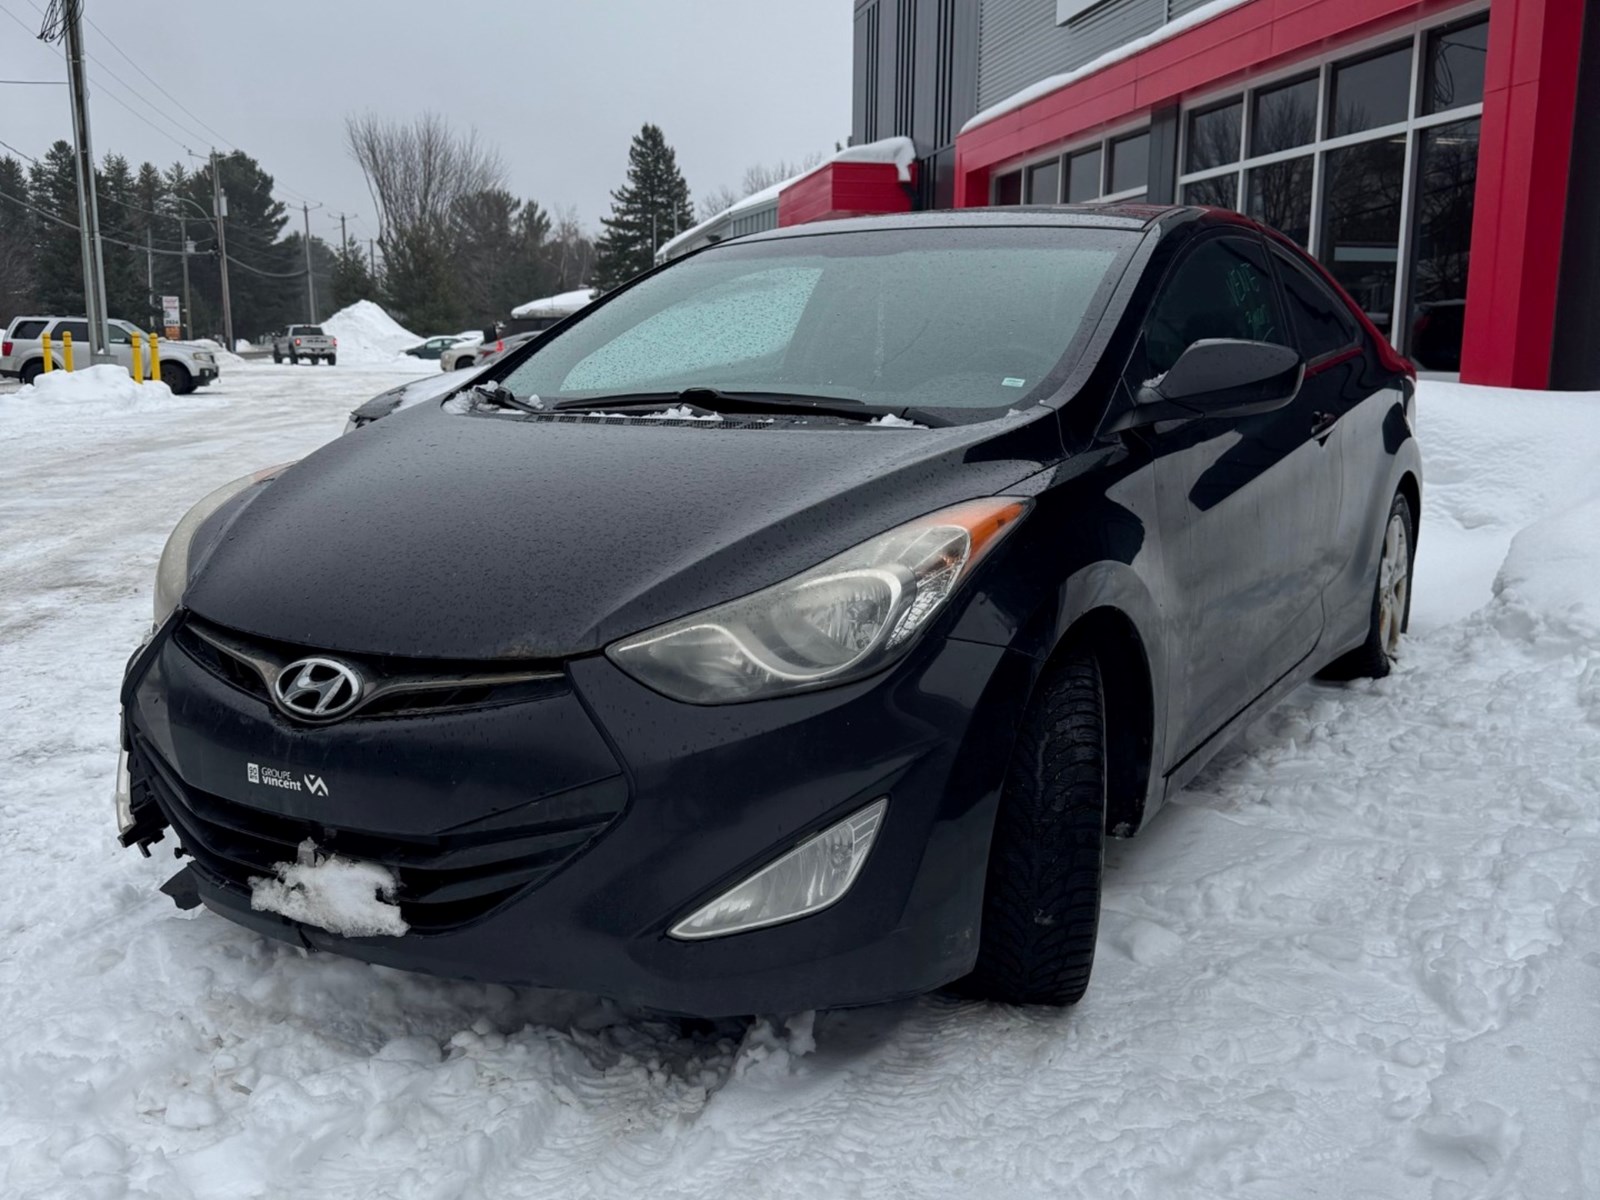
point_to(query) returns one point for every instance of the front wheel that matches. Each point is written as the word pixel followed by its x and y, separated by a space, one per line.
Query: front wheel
pixel 176 377
pixel 277 358
pixel 1041 907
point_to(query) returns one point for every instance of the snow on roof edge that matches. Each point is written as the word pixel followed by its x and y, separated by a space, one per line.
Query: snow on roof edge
pixel 900 151
pixel 1116 54
pixel 562 304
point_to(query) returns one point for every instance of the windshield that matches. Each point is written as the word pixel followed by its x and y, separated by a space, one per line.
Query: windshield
pixel 934 317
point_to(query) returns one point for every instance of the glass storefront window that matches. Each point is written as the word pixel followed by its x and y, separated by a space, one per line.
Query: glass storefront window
pixel 1214 137
pixel 1453 66
pixel 1083 176
pixel 1221 192
pixel 1280 196
pixel 1447 174
pixel 1370 92
pixel 1130 163
pixel 1284 117
pixel 1044 183
pixel 1360 236
pixel 1008 188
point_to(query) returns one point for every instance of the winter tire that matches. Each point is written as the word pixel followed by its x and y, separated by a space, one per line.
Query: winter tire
pixel 177 377
pixel 333 360
pixel 1391 601
pixel 294 360
pixel 1041 908
pixel 277 358
pixel 32 371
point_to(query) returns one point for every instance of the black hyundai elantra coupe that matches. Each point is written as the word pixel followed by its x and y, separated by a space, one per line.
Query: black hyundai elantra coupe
pixel 790 627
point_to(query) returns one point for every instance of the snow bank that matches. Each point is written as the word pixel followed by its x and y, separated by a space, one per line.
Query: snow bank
pixel 105 386
pixel 368 335
pixel 352 899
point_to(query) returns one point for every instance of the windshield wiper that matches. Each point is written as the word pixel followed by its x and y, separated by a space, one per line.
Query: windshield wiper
pixel 499 395
pixel 714 400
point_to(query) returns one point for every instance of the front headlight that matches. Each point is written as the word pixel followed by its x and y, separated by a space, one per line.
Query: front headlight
pixel 842 619
pixel 172 574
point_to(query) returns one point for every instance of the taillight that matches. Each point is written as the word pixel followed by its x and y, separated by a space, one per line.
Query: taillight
pixel 5 349
pixel 333 341
pixel 297 341
pixel 500 345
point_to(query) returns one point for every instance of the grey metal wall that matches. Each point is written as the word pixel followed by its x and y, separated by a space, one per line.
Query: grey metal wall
pixel 1019 42
pixel 915 70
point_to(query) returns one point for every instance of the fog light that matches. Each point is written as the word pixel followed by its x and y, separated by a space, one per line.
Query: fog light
pixel 124 794
pixel 812 876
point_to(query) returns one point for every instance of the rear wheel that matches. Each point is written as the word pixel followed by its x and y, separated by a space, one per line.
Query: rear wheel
pixel 177 377
pixel 32 370
pixel 1391 601
pixel 1041 909
pixel 294 359
pixel 333 360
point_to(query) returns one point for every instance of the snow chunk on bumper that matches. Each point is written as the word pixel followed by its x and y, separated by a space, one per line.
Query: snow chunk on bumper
pixel 340 895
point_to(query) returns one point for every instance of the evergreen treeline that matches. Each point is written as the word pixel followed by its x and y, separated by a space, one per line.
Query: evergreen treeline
pixel 442 262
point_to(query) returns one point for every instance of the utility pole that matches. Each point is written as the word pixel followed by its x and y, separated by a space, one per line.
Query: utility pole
pixel 94 275
pixel 311 282
pixel 372 259
pixel 183 236
pixel 219 201
pixel 149 273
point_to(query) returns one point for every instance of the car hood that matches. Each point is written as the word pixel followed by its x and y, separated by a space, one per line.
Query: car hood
pixel 438 535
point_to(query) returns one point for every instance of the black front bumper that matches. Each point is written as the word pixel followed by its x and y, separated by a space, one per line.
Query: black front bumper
pixel 553 837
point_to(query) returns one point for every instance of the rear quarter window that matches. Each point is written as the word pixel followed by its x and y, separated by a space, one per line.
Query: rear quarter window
pixel 26 330
pixel 1321 320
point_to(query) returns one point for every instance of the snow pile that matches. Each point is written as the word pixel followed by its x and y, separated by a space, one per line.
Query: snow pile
pixel 352 899
pixel 103 387
pixel 368 335
pixel 895 422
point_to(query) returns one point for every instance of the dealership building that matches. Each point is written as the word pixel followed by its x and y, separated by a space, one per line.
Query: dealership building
pixel 1441 158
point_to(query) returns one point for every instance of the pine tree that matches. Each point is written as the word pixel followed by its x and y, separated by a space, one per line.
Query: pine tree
pixel 648 210
pixel 351 279
pixel 17 273
pixel 53 189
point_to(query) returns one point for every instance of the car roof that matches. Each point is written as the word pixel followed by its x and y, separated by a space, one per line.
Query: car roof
pixel 1131 217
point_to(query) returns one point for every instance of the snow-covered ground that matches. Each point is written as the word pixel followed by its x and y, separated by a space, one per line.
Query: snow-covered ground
pixel 1359 959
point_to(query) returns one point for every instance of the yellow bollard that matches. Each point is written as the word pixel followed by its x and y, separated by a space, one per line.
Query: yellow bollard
pixel 138 359
pixel 66 349
pixel 155 357
pixel 49 359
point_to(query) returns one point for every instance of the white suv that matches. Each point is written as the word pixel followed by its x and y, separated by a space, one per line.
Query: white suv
pixel 184 365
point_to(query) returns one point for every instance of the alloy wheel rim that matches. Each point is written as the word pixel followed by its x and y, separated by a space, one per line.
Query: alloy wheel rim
pixel 1394 582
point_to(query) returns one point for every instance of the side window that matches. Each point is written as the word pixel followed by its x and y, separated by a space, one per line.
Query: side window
pixel 78 329
pixel 28 330
pixel 1320 318
pixel 119 336
pixel 1223 289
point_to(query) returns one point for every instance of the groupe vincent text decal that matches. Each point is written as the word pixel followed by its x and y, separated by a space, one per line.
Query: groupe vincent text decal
pixel 273 777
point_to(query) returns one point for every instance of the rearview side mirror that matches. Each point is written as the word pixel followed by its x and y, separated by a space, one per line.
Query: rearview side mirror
pixel 1219 377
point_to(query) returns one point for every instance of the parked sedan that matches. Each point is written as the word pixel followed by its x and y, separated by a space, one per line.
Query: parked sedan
pixel 790 628
pixel 432 348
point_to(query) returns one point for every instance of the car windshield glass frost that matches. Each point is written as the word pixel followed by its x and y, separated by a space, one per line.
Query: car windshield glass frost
pixel 970 318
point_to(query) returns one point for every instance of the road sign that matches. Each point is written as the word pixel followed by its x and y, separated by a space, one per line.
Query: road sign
pixel 169 315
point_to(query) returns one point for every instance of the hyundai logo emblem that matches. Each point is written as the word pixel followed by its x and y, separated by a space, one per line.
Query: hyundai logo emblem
pixel 317 689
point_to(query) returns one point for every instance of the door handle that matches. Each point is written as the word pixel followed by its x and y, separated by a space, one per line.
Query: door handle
pixel 1322 423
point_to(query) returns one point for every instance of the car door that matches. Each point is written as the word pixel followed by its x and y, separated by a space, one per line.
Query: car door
pixel 1355 406
pixel 1246 506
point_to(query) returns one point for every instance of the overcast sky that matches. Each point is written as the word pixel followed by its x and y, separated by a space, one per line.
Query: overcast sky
pixel 559 86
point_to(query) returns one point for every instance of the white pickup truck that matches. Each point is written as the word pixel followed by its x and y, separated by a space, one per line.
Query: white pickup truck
pixel 306 342
pixel 184 365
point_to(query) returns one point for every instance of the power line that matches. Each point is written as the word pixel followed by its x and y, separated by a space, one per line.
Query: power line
pixel 35 82
pixel 50 216
pixel 23 153
pixel 157 85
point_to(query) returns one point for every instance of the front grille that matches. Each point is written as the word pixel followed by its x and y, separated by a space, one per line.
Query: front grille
pixel 395 687
pixel 445 882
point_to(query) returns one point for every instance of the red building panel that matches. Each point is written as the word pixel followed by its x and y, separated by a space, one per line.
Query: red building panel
pixel 844 189
pixel 1524 153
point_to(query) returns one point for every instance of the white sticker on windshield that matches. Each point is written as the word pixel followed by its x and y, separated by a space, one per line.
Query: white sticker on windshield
pixel 1012 381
